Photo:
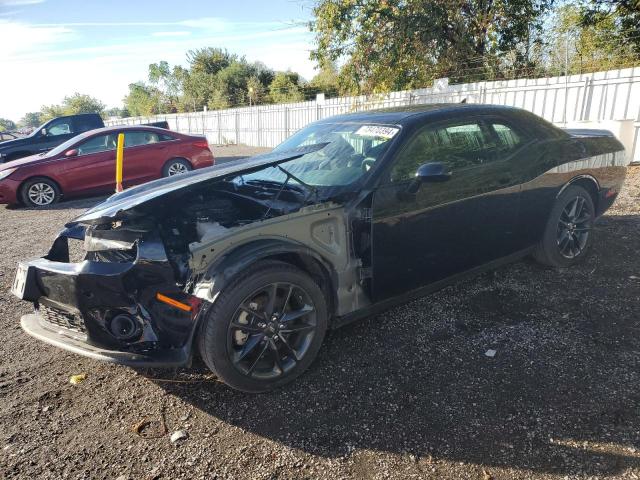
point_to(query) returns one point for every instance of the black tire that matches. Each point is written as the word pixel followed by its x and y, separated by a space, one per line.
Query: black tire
pixel 569 231
pixel 39 192
pixel 176 166
pixel 250 351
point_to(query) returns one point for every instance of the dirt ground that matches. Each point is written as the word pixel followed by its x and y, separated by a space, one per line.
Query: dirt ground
pixel 406 394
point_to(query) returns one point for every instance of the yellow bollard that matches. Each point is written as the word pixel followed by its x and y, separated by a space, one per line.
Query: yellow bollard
pixel 119 159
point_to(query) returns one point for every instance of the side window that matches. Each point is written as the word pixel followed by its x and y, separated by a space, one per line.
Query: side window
pixel 507 139
pixel 86 123
pixel 136 138
pixel 60 127
pixel 457 146
pixel 165 138
pixel 101 143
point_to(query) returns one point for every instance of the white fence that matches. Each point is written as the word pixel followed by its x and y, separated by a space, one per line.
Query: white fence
pixel 609 99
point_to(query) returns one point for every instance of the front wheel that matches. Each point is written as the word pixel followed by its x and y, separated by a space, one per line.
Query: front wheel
pixel 265 328
pixel 39 192
pixel 569 231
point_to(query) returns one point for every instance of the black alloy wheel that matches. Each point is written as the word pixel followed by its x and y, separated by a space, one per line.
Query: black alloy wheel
pixel 569 230
pixel 265 328
pixel 574 226
pixel 272 330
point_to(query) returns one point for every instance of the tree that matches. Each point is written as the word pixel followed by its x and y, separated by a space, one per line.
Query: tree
pixel 399 44
pixel 47 112
pixel 31 119
pixel 80 103
pixel 255 90
pixel 169 82
pixel 209 60
pixel 285 88
pixel 625 13
pixel 72 105
pixel 326 81
pixel 141 100
pixel 591 46
pixel 6 124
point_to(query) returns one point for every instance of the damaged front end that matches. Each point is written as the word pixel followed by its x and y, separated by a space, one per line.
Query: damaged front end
pixel 112 305
pixel 156 256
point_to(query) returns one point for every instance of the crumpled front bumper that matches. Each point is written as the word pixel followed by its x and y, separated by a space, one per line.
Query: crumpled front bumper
pixel 76 304
pixel 35 326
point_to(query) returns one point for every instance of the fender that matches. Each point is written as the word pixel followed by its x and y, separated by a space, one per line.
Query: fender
pixel 221 272
pixel 577 178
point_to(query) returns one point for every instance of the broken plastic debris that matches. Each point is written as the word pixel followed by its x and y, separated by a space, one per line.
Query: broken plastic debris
pixel 76 379
pixel 178 435
pixel 490 353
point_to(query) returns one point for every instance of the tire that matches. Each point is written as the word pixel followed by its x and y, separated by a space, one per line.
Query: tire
pixel 569 233
pixel 39 192
pixel 255 352
pixel 176 166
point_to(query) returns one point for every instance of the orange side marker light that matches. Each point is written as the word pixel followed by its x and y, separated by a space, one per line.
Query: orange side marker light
pixel 173 303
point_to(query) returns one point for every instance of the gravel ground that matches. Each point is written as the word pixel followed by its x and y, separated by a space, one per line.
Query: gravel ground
pixel 409 393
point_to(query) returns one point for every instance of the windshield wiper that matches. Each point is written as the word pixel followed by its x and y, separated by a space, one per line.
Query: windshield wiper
pixel 311 189
pixel 272 183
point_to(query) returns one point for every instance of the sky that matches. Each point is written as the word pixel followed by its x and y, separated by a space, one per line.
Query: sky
pixel 53 48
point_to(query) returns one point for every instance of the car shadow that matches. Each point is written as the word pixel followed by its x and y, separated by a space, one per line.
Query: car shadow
pixel 559 396
pixel 74 203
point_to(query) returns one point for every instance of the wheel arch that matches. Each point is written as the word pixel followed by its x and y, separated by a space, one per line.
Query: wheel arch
pixel 589 183
pixel 222 271
pixel 165 164
pixel 46 177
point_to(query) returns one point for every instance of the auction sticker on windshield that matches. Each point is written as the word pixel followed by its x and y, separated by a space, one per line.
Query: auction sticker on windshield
pixel 376 131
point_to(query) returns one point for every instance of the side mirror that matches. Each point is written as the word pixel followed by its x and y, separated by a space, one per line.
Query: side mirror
pixel 433 172
pixel 43 132
pixel 71 153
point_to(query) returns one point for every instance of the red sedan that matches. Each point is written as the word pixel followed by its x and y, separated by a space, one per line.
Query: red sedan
pixel 86 164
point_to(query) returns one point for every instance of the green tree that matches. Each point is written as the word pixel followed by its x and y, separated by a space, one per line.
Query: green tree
pixel 81 103
pixel 6 124
pixel 255 90
pixel 31 119
pixel 47 112
pixel 286 88
pixel 141 100
pixel 169 82
pixel 624 13
pixel 209 60
pixel 326 81
pixel 398 44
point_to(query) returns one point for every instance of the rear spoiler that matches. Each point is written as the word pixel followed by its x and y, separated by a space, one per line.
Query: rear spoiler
pixel 588 132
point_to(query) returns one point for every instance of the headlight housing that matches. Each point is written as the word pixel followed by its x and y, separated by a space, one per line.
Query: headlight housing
pixel 5 173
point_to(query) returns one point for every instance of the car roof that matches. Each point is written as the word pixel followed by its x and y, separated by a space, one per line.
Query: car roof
pixel 124 128
pixel 401 115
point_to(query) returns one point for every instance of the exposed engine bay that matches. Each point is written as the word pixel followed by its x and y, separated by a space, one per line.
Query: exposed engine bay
pixel 193 216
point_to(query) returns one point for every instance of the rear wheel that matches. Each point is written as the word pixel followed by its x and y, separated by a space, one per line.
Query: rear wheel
pixel 265 328
pixel 176 166
pixel 39 192
pixel 569 231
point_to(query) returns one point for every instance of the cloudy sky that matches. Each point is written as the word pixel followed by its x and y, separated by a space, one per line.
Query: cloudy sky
pixel 53 48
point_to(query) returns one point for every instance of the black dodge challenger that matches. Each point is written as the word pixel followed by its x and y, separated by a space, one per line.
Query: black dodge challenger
pixel 250 262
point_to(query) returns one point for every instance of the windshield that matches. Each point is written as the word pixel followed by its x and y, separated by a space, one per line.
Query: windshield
pixel 352 150
pixel 67 145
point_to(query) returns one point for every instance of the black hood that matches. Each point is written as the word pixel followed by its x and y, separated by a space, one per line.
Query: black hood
pixel 112 208
pixel 18 142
